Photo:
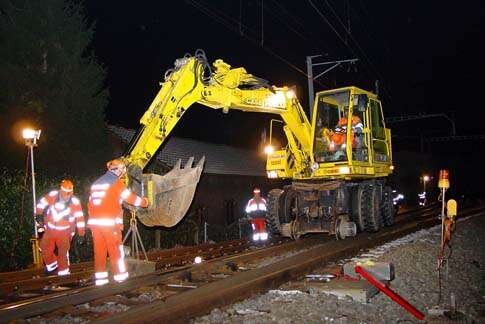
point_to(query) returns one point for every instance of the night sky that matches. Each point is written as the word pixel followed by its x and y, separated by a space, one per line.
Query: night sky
pixel 427 55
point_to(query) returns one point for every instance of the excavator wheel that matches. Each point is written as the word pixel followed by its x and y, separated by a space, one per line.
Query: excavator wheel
pixel 373 215
pixel 387 207
pixel 274 211
pixel 359 206
pixel 291 201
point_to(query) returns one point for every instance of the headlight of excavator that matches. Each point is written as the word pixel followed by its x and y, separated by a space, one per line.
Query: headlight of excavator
pixel 273 174
pixel 315 166
pixel 344 170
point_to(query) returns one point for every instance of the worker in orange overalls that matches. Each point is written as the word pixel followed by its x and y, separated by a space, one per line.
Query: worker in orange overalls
pixel 57 212
pixel 256 210
pixel 339 136
pixel 106 221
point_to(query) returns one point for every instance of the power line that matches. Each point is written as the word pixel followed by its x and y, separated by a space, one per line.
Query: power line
pixel 282 9
pixel 320 13
pixel 357 44
pixel 222 19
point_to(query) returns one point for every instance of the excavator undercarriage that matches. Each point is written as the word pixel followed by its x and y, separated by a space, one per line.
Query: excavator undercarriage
pixel 336 207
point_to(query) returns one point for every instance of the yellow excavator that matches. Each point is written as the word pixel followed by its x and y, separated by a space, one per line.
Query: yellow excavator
pixel 337 162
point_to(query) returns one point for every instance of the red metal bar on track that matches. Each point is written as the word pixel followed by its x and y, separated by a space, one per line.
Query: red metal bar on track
pixel 389 292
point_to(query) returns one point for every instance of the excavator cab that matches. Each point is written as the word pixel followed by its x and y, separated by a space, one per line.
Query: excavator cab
pixel 350 137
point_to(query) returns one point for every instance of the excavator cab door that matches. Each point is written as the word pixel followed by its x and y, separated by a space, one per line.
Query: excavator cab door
pixel 332 111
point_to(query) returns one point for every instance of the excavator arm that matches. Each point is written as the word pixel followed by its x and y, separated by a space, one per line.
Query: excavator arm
pixel 193 81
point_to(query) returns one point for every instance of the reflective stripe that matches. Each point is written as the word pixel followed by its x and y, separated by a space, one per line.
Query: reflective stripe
pixel 100 282
pixel 255 207
pixel 98 194
pixel 80 224
pixel 121 277
pixel 256 237
pixel 64 272
pixel 96 201
pixel 137 202
pixel 43 203
pixel 71 219
pixel 53 193
pixel 125 194
pixel 102 186
pixel 119 220
pixel 78 214
pixel 101 221
pixel 58 228
pixel 51 266
pixel 263 236
pixel 75 201
pixel 41 206
pixel 101 275
pixel 59 215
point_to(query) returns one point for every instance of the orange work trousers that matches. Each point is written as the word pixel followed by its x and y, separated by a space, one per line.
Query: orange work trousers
pixel 107 242
pixel 51 239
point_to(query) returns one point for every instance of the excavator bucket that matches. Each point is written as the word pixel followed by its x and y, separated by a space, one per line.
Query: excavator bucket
pixel 170 194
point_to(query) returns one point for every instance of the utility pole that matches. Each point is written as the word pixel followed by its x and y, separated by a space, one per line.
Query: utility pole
pixel 311 78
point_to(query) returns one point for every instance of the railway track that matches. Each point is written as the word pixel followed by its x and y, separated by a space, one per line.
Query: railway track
pixel 15 286
pixel 189 290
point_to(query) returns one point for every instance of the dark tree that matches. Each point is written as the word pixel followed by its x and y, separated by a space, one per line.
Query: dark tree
pixel 49 78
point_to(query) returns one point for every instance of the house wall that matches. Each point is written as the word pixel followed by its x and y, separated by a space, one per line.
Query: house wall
pixel 224 197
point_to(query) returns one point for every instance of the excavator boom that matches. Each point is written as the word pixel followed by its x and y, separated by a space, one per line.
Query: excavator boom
pixel 224 88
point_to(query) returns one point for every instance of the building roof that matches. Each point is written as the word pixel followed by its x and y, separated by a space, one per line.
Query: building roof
pixel 219 159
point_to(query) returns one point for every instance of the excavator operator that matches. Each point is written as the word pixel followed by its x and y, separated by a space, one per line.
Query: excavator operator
pixel 339 135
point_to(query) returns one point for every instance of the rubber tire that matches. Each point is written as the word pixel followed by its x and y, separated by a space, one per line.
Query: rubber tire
pixel 286 216
pixel 373 215
pixel 387 207
pixel 274 211
pixel 358 207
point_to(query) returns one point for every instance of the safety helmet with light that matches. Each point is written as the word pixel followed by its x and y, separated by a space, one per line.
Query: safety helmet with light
pixel 256 191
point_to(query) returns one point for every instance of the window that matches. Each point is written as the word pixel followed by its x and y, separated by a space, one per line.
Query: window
pixel 331 127
pixel 379 143
pixel 378 131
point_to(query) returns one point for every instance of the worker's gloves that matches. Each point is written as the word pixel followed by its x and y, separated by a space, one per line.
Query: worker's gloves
pixel 39 222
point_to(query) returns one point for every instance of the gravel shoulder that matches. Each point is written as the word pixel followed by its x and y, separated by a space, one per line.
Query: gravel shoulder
pixel 415 260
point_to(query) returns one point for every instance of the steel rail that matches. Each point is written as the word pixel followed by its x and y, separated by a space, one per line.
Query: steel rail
pixel 188 304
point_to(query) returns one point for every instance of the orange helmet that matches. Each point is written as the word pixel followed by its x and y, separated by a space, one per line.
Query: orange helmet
pixel 342 121
pixel 116 165
pixel 67 186
pixel 355 120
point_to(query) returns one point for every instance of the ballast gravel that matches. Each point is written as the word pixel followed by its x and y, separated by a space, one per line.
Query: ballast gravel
pixel 416 279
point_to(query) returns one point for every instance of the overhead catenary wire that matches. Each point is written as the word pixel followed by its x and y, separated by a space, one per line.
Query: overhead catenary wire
pixel 352 38
pixel 332 27
pixel 230 24
pixel 281 14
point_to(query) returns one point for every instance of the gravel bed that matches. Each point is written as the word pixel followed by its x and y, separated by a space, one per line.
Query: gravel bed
pixel 415 261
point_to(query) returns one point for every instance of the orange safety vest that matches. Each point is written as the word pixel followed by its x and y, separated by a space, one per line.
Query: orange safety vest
pixel 61 215
pixel 105 201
